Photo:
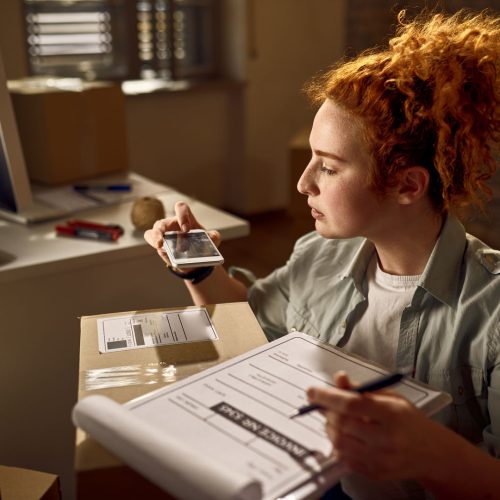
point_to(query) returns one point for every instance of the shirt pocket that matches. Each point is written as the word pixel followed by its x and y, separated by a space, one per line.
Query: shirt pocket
pixel 467 414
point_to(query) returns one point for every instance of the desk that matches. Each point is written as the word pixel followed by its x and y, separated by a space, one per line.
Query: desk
pixel 46 287
pixel 100 474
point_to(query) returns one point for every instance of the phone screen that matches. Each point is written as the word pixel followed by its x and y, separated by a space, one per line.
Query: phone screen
pixel 190 245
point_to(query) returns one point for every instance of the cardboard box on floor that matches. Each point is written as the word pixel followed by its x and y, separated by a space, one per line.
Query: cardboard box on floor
pixel 70 135
pixel 26 484
pixel 101 475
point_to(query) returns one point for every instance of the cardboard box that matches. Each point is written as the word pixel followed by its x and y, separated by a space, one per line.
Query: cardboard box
pixel 71 135
pixel 101 475
pixel 26 484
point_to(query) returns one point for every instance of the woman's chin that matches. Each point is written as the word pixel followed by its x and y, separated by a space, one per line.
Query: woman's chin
pixel 328 232
pixel 323 230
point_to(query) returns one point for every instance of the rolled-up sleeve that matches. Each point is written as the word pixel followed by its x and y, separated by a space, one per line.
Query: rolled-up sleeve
pixel 268 299
pixel 491 434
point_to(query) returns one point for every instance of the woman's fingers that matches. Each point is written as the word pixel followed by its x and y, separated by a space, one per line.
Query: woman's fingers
pixel 215 237
pixel 154 236
pixel 164 257
pixel 185 217
pixel 341 380
pixel 184 221
pixel 378 406
pixel 379 434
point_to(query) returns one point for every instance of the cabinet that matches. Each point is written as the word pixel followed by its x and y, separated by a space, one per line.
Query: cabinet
pixel 46 283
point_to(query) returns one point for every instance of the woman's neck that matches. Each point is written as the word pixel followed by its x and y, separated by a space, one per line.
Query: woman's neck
pixel 406 249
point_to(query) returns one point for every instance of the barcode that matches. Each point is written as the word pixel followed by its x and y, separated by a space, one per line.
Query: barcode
pixel 116 344
pixel 139 337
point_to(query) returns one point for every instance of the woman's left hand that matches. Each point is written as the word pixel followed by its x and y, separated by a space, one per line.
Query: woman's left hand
pixel 380 435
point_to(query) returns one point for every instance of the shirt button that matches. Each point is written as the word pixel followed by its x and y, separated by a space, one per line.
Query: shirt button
pixel 344 324
pixel 460 390
pixel 293 329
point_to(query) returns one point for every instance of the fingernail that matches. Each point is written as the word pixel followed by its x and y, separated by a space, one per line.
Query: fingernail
pixel 185 228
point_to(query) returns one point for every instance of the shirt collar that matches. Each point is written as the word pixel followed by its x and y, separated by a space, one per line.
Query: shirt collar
pixel 356 269
pixel 442 272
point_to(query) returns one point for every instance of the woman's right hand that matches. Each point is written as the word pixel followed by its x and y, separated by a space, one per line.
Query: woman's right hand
pixel 183 221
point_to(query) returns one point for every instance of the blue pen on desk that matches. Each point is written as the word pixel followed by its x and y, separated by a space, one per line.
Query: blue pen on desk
pixel 373 385
pixel 102 187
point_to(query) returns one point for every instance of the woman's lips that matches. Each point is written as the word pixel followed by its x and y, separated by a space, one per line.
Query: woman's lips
pixel 316 214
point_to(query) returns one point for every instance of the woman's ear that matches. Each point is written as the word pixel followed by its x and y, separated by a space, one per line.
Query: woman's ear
pixel 413 185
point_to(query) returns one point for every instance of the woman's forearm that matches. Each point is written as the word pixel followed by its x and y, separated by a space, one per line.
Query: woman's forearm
pixel 461 470
pixel 217 288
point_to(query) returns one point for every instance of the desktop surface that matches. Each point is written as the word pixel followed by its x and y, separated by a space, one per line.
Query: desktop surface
pixel 35 249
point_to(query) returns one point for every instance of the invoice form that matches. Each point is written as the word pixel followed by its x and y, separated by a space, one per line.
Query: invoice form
pixel 225 433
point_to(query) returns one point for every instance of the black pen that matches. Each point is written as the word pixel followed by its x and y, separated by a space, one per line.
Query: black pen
pixel 373 385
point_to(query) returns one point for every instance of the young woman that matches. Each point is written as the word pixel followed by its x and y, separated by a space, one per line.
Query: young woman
pixel 403 140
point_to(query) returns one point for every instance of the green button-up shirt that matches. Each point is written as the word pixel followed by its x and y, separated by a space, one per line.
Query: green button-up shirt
pixel 450 332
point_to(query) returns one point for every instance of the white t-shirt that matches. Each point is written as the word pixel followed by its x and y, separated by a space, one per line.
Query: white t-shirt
pixel 375 334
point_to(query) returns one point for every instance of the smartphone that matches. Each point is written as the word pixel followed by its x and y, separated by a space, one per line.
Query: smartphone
pixel 191 249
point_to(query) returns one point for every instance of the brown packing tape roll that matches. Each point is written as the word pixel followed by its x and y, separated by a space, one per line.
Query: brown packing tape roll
pixel 146 211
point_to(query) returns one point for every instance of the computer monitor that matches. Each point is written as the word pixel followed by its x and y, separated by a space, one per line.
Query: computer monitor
pixel 15 191
pixel 17 202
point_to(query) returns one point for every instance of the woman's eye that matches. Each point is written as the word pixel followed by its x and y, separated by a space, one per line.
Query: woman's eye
pixel 328 171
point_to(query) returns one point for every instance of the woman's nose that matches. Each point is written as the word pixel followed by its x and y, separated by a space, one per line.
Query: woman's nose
pixel 307 182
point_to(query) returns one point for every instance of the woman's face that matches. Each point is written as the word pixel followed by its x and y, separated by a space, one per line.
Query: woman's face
pixel 335 180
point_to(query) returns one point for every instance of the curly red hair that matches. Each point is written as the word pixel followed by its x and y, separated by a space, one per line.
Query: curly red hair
pixel 431 99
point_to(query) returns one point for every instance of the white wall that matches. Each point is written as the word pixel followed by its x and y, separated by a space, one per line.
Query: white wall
pixel 293 39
